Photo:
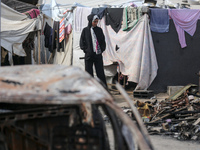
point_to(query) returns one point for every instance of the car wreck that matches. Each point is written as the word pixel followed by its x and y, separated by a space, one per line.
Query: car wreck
pixel 55 107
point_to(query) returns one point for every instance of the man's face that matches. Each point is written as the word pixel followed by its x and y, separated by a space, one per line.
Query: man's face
pixel 95 22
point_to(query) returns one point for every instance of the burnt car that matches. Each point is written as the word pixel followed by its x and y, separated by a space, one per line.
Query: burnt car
pixel 55 107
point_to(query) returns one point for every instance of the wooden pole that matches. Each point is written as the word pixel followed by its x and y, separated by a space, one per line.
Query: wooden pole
pixel 39 48
pixel 0 53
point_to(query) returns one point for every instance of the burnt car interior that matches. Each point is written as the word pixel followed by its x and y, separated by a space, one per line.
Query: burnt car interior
pixel 58 127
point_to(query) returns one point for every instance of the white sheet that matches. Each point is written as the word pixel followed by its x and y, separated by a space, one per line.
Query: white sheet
pixel 136 54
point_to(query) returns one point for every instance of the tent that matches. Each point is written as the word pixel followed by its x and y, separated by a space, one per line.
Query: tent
pixel 15 27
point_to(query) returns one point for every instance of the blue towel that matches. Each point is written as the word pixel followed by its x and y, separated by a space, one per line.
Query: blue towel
pixel 159 20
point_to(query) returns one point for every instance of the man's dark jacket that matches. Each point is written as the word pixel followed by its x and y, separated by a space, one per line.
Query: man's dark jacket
pixel 86 39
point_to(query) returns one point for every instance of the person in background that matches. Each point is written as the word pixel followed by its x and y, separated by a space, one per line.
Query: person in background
pixel 92 42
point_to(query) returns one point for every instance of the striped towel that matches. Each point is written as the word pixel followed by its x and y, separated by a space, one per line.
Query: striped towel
pixel 61 30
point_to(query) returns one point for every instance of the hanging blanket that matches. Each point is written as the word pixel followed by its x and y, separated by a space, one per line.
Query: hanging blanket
pixel 135 52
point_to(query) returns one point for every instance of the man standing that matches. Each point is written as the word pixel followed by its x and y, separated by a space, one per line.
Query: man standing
pixel 92 42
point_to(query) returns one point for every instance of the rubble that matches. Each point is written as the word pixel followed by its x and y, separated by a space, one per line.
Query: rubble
pixel 178 116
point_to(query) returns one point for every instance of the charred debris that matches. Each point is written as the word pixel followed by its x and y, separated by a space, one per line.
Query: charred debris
pixel 177 116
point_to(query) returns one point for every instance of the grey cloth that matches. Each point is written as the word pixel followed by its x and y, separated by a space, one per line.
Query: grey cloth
pixel 99 12
pixel 114 18
pixel 55 37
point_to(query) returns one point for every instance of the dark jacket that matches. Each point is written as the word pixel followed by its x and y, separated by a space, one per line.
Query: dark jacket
pixel 86 39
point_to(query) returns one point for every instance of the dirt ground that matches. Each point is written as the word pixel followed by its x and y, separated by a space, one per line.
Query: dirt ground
pixel 160 142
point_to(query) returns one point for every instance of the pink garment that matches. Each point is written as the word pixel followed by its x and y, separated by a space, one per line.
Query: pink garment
pixel 184 20
pixel 68 29
pixel 33 13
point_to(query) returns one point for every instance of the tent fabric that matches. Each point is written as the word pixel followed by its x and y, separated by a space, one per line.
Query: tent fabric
pixel 79 24
pixel 80 19
pixel 51 10
pixel 135 56
pixel 64 58
pixel 14 30
pixel 11 14
pixel 184 20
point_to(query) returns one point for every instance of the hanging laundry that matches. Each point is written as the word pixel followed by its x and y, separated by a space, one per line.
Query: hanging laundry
pixel 48 37
pixel 99 12
pixel 55 37
pixel 131 15
pixel 136 55
pixel 68 30
pixel 114 18
pixel 61 30
pixel 159 20
pixel 184 20
pixel 33 13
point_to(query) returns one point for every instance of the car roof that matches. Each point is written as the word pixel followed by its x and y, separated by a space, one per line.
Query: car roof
pixel 49 84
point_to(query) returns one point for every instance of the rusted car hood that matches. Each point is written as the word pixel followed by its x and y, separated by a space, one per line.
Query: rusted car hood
pixel 49 84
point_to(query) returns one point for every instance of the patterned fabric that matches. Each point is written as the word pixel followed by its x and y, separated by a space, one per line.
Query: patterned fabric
pixel 131 15
pixel 61 30
pixel 95 43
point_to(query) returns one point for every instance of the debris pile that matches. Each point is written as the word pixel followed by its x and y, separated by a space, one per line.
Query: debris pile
pixel 179 115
